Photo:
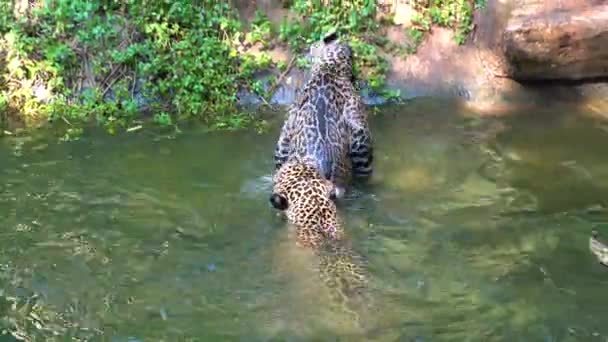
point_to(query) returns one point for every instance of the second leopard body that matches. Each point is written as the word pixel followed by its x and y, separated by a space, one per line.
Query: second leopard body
pixel 307 199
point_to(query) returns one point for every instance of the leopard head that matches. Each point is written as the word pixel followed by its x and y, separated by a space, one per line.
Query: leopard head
pixel 332 55
pixel 295 182
pixel 308 199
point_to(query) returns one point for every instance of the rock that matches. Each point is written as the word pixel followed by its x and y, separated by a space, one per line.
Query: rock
pixel 566 44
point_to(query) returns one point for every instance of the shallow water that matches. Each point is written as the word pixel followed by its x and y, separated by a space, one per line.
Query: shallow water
pixel 473 230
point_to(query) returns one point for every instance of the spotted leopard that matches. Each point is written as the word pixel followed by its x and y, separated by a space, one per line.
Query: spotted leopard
pixel 327 125
pixel 307 199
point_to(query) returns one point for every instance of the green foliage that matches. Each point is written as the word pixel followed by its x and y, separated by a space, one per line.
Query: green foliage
pixel 115 61
pixel 293 34
pixel 480 4
pixel 355 19
pixel 163 119
pixel 90 56
pixel 3 112
pixel 71 134
pixel 369 65
pixel 455 14
pixel 349 17
pixel 261 31
pixel 6 10
pixel 416 37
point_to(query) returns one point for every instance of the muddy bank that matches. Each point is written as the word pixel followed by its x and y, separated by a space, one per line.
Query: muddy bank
pixel 481 71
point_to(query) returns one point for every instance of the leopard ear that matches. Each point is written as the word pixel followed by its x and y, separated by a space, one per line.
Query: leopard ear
pixel 330 37
pixel 279 202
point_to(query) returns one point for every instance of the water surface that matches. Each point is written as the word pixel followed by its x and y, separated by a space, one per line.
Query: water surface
pixel 473 230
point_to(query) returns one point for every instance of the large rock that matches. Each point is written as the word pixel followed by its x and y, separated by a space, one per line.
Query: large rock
pixel 562 43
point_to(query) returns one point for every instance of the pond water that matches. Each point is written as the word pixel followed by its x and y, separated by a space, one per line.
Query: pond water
pixel 472 230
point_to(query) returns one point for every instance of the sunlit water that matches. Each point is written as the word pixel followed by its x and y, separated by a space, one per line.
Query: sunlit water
pixel 473 230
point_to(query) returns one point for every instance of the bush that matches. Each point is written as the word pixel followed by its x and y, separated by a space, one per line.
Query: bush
pixel 73 59
pixel 455 14
pixel 353 18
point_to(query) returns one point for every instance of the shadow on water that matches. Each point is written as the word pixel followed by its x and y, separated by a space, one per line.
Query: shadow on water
pixel 473 229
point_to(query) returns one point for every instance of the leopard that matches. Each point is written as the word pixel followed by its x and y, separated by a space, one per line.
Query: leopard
pixel 307 198
pixel 327 125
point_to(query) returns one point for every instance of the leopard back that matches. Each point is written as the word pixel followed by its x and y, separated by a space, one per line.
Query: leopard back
pixel 320 128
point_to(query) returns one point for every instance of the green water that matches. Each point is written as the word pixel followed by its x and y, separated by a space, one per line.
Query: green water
pixel 473 230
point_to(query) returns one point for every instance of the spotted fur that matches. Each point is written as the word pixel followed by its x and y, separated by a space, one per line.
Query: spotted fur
pixel 307 199
pixel 327 125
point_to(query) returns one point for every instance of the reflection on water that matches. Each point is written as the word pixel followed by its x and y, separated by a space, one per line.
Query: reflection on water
pixel 472 230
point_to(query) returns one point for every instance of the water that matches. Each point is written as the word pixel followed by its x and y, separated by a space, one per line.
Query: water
pixel 473 230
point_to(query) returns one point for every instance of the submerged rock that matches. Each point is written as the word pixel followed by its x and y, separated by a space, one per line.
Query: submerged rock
pixel 598 248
